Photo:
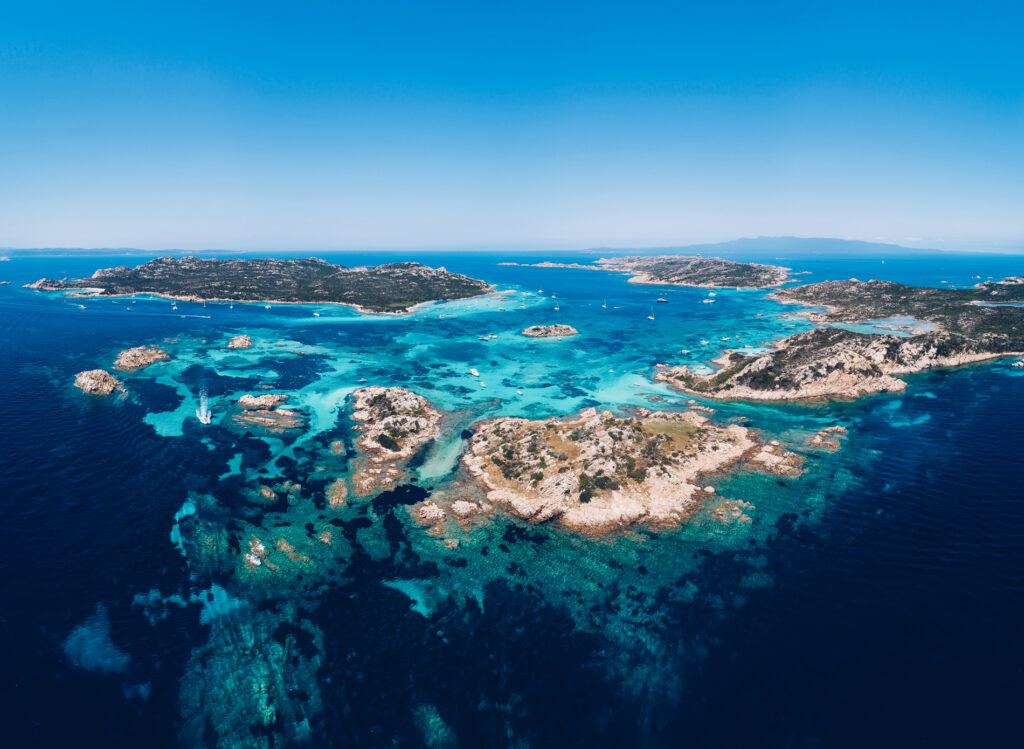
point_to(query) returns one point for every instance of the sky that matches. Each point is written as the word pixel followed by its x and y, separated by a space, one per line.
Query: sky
pixel 460 125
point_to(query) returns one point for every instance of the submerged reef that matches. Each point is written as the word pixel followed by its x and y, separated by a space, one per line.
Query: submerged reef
pixel 392 287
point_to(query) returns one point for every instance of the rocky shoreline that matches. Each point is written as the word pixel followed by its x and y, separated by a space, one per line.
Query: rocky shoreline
pixel 97 382
pixel 394 423
pixel 830 363
pixel 594 473
pixel 388 288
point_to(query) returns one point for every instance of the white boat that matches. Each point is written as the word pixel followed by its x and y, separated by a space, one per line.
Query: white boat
pixel 203 412
pixel 519 392
pixel 662 301
pixel 266 306
pixel 316 314
pixel 704 343
pixel 605 305
pixel 474 372
pixel 483 384
pixel 174 307
pixel 81 306
pixel 685 351
pixel 651 316
pixel 708 301
pixel 556 308
pixel 711 293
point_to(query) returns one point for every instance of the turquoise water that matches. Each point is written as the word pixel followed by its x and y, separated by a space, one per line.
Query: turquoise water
pixel 136 517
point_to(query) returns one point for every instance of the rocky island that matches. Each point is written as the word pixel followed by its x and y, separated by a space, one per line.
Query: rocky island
pixel 549 331
pixel 97 382
pixel 966 326
pixel 393 287
pixel 262 411
pixel 139 357
pixel 685 270
pixel 596 472
pixel 240 342
pixel 393 423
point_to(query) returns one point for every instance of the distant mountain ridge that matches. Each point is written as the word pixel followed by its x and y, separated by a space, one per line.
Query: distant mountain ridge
pixel 798 245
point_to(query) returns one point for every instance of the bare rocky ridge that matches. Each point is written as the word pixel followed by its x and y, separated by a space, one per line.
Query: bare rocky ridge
pixel 829 363
pixel 132 359
pixel 394 424
pixel 266 400
pixel 838 363
pixel 393 287
pixel 261 411
pixel 684 270
pixel 97 382
pixel 596 472
pixel 549 331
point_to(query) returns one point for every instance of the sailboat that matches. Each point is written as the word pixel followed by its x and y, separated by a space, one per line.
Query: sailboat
pixel 651 316
pixel 203 412
pixel 605 305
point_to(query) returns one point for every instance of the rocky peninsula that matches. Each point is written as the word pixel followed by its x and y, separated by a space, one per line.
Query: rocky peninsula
pixel 139 357
pixel 393 423
pixel 596 472
pixel 966 326
pixel 549 331
pixel 97 382
pixel 684 270
pixel 392 287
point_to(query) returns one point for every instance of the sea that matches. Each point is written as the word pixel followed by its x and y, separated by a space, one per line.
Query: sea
pixel 876 600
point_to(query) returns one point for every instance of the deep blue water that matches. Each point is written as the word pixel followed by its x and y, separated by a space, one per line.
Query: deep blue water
pixel 876 601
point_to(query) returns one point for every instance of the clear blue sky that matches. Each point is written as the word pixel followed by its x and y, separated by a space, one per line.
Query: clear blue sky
pixel 291 125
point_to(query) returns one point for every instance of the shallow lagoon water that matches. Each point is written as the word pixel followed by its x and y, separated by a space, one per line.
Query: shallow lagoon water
pixel 879 583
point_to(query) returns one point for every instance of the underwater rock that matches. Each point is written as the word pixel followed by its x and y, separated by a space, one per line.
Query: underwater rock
pixel 823 438
pixel 141 356
pixel 429 513
pixel 89 645
pixel 97 382
pixel 337 493
pixel 277 420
